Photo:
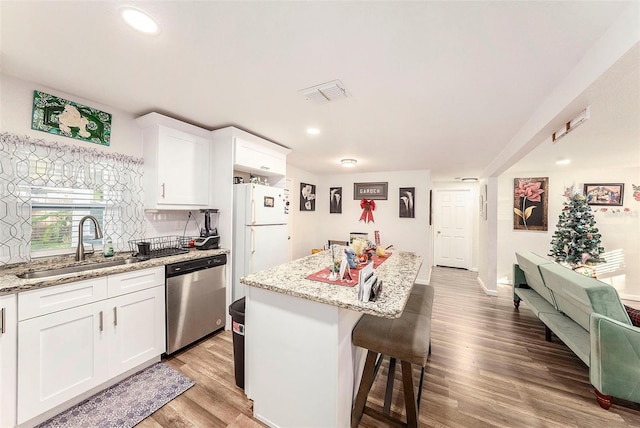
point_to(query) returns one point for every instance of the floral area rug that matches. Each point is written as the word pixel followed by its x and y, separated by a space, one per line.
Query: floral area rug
pixel 125 404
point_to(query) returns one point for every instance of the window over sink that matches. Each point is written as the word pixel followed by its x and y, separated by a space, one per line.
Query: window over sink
pixel 47 187
pixel 56 214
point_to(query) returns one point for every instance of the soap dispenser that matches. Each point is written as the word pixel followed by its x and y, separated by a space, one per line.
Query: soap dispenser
pixel 108 248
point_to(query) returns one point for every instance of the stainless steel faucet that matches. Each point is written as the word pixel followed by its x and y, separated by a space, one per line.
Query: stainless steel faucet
pixel 98 235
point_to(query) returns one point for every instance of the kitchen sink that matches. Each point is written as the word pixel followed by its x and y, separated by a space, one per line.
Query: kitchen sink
pixel 75 269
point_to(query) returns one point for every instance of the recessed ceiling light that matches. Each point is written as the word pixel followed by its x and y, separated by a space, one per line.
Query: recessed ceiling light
pixel 348 163
pixel 563 162
pixel 139 20
pixel 313 131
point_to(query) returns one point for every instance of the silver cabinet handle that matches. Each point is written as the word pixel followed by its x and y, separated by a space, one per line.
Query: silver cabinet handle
pixel 162 191
pixel 115 316
pixel 3 320
pixel 101 321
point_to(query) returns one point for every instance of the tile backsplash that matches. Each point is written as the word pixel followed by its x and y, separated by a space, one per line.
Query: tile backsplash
pixel 165 223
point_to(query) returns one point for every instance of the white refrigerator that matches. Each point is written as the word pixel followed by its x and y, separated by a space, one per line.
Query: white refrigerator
pixel 261 236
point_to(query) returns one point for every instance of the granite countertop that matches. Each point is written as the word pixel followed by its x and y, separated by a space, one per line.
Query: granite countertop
pixel 11 284
pixel 398 274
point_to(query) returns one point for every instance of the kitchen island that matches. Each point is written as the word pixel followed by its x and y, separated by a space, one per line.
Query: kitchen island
pixel 301 368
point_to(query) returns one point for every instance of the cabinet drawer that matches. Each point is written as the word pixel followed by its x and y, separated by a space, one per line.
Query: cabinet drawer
pixel 44 301
pixel 129 282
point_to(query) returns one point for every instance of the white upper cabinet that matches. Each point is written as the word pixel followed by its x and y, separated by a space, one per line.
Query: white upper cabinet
pixel 259 158
pixel 176 163
pixel 247 153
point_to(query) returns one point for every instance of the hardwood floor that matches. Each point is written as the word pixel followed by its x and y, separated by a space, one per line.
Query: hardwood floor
pixel 490 367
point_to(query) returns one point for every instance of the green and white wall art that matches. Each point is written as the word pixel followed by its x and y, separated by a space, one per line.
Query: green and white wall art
pixel 63 117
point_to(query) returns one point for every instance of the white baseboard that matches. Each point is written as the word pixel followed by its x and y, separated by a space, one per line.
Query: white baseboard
pixel 488 292
pixel 425 281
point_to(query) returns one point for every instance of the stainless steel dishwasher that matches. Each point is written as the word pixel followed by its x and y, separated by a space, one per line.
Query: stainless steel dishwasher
pixel 195 299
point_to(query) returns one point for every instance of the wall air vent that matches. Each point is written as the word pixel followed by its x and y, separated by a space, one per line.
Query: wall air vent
pixel 330 91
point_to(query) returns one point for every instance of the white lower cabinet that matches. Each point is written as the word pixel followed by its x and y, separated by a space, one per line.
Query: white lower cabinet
pixel 138 327
pixel 8 343
pixel 61 355
pixel 66 353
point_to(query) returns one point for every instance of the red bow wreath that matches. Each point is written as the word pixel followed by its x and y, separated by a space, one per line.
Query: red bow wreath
pixel 367 210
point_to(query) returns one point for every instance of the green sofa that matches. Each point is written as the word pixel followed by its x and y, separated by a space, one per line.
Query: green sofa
pixel 588 316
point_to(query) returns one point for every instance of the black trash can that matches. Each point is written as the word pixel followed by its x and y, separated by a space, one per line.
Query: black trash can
pixel 236 310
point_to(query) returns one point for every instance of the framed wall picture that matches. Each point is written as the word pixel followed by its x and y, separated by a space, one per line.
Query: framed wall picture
pixel 609 194
pixel 307 197
pixel 370 191
pixel 407 199
pixel 530 204
pixel 335 200
pixel 58 116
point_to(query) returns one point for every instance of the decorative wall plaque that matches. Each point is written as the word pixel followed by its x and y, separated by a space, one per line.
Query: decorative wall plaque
pixel 370 191
pixel 63 117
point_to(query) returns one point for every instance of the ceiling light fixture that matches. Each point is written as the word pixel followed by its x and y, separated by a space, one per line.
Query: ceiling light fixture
pixel 348 163
pixel 572 124
pixel 470 179
pixel 313 131
pixel 563 162
pixel 139 20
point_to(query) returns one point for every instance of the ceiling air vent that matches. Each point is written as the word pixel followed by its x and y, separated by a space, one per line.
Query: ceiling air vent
pixel 330 91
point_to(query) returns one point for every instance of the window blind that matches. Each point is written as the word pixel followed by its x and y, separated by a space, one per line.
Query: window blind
pixel 56 215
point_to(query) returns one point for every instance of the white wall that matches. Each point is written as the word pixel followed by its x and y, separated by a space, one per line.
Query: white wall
pixel 304 226
pixel 620 231
pixel 314 229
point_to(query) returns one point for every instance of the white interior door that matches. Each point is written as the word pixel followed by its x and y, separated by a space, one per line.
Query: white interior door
pixel 452 228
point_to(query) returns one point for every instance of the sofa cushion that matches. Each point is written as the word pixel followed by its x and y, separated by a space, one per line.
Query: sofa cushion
pixel 578 295
pixel 529 263
pixel 574 336
pixel 533 300
pixel 634 315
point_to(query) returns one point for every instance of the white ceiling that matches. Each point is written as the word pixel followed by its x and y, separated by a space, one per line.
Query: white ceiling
pixel 434 85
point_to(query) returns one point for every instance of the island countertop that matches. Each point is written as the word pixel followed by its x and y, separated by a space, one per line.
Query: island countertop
pixel 398 274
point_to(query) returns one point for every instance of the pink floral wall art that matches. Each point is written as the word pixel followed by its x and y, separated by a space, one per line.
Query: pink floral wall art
pixel 530 203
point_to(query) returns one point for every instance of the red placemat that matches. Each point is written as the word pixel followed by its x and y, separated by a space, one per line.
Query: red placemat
pixel 323 275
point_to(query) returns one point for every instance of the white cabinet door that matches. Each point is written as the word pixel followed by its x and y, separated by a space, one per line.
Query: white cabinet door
pixel 259 159
pixel 183 168
pixel 62 355
pixel 8 343
pixel 137 324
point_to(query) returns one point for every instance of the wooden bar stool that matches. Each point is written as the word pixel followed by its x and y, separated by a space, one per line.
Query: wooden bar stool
pixel 406 339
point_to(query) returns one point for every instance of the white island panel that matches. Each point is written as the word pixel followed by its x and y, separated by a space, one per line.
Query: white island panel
pixel 300 361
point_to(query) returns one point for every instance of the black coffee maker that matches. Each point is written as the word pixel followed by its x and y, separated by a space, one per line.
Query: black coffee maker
pixel 209 238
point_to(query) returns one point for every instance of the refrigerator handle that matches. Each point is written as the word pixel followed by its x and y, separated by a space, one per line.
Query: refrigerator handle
pixel 253 240
pixel 253 249
pixel 253 207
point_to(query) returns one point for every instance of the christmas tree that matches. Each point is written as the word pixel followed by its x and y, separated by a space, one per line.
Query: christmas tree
pixel 576 240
